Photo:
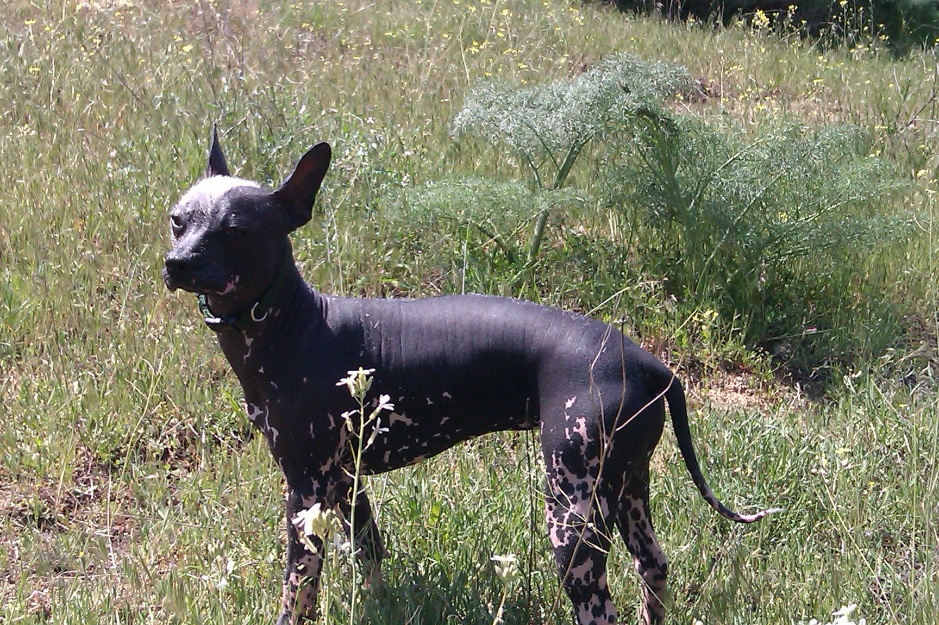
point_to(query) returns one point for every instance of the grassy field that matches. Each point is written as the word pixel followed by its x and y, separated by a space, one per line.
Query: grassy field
pixel 132 489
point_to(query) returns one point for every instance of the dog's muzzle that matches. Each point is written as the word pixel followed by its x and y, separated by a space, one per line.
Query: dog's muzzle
pixel 174 268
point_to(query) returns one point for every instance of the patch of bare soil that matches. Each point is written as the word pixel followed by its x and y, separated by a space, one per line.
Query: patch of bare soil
pixel 728 386
pixel 735 391
pixel 38 514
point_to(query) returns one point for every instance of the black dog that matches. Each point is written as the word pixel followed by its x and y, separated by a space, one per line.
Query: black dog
pixel 454 368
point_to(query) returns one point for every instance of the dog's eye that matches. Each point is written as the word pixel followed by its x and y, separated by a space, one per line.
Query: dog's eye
pixel 177 224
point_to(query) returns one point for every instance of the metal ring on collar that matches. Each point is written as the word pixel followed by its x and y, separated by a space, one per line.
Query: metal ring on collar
pixel 254 316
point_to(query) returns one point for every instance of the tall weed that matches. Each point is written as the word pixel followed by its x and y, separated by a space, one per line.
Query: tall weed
pixel 546 127
pixel 782 233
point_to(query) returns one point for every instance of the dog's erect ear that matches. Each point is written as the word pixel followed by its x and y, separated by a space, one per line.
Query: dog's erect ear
pixel 299 190
pixel 217 165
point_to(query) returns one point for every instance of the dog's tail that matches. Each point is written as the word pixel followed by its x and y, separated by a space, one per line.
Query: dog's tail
pixel 675 396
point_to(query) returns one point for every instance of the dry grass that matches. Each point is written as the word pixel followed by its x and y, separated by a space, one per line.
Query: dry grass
pixel 129 478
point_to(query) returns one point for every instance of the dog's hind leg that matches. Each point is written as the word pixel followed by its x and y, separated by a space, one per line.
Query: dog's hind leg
pixel 581 547
pixel 577 513
pixel 635 525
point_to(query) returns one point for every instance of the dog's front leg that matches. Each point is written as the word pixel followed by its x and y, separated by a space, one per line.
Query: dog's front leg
pixel 301 579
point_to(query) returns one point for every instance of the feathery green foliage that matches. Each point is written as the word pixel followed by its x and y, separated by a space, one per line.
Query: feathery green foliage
pixel 776 232
pixel 779 232
pixel 548 125
pixel 482 210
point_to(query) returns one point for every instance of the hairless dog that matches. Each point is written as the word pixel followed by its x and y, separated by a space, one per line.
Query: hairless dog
pixel 454 367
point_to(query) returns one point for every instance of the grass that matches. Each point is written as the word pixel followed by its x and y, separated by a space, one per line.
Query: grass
pixel 132 489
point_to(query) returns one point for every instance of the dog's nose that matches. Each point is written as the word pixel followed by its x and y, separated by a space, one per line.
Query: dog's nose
pixel 174 264
pixel 174 268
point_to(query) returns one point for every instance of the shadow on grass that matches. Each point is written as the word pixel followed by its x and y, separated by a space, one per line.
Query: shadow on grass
pixel 436 597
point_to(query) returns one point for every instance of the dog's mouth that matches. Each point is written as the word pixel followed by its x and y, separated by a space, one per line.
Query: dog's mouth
pixel 171 283
pixel 223 286
pixel 229 287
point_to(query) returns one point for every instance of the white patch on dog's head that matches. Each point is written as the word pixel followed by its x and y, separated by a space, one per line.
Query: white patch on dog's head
pixel 208 191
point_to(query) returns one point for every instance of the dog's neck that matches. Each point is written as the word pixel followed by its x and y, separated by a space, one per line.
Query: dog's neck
pixel 258 350
pixel 238 309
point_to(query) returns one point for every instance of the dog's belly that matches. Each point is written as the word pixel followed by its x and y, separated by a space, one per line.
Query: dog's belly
pixel 412 432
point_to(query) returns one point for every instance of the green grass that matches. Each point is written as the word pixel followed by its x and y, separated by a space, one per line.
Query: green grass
pixel 131 484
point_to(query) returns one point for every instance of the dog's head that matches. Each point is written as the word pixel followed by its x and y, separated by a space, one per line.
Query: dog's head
pixel 229 235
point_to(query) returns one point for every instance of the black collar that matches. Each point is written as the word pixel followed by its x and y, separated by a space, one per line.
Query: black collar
pixel 254 314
